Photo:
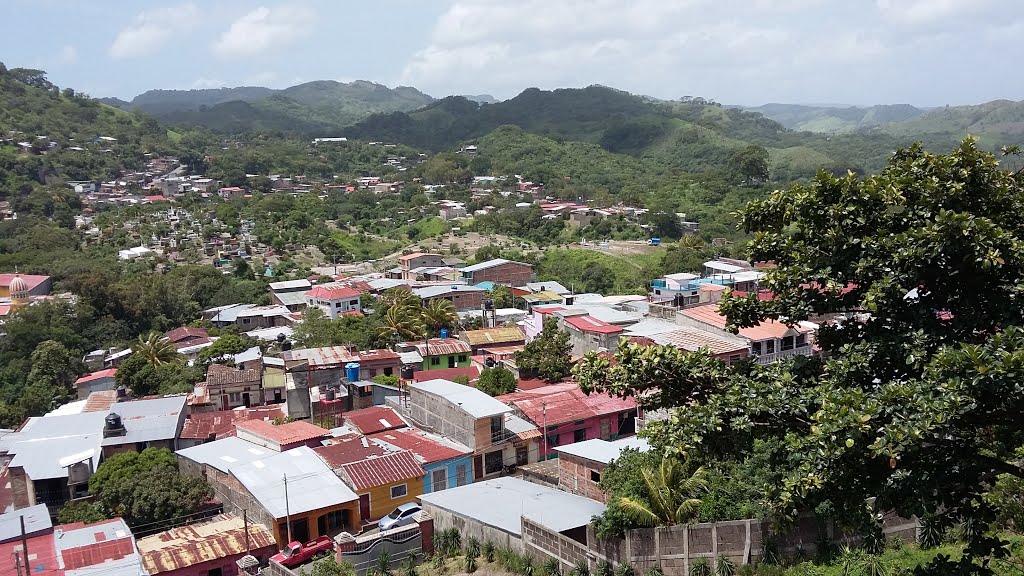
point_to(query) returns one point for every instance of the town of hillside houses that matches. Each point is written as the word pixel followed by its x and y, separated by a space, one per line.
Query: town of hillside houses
pixel 336 450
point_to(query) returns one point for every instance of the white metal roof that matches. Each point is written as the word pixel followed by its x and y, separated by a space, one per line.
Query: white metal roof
pixel 432 291
pixel 224 453
pixel 490 264
pixel 291 285
pixel 722 266
pixel 472 401
pixel 502 502
pixel 37 519
pixel 603 451
pixel 312 485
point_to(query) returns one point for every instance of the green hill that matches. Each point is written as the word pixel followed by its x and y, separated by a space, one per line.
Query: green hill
pixel 47 134
pixel 314 108
pixel 834 119
pixel 996 123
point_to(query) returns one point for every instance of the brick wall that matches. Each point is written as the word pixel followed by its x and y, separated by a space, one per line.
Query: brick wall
pixel 574 475
pixel 510 274
pixel 20 488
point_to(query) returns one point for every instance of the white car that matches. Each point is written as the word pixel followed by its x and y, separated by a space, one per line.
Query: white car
pixel 401 516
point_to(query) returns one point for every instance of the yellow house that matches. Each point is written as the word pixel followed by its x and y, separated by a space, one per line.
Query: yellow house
pixel 384 482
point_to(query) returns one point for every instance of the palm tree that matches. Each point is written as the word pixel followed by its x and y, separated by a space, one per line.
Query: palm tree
pixel 399 298
pixel 671 496
pixel 439 313
pixel 402 321
pixel 155 349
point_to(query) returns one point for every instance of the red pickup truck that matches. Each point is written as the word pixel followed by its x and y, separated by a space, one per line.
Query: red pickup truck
pixel 297 553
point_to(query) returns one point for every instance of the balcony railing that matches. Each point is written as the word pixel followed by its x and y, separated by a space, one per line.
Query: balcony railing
pixel 807 350
pixel 658 284
pixel 499 436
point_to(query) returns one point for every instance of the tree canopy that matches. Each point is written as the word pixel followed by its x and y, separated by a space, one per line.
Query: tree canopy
pixel 496 381
pixel 915 401
pixel 547 355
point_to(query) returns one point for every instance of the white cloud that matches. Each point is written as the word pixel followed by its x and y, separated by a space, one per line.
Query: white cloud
pixel 921 11
pixel 205 83
pixel 151 29
pixel 262 29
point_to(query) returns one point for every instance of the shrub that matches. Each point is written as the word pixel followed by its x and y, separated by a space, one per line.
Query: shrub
pixel 625 570
pixel 472 549
pixel 700 567
pixel 488 551
pixel 725 567
pixel 470 566
pixel 604 568
pixel 582 568
pixel 552 567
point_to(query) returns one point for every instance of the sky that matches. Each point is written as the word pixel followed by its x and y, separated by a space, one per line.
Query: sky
pixel 748 52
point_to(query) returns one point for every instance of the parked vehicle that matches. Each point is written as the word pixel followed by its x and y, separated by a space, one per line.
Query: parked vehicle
pixel 654 241
pixel 401 516
pixel 297 553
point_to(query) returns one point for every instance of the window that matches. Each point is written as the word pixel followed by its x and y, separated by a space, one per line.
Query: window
pixel 399 491
pixel 337 305
pixel 801 340
pixel 497 424
pixel 522 456
pixel 438 479
pixel 214 572
pixel 388 371
pixel 460 475
pixel 493 462
pixel 595 476
pixel 462 357
pixel 734 358
pixel 769 347
pixel 579 435
pixel 756 347
pixel 552 440
pixel 235 397
pixel 435 361
pixel 787 343
pixel 244 321
pixel 353 303
pixel 373 372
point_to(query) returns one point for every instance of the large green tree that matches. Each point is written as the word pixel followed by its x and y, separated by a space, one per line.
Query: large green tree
pixel 496 381
pixel 547 355
pixel 916 399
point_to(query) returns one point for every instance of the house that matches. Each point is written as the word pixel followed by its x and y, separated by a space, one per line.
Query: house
pixel 466 415
pixel 580 465
pixel 499 509
pixel 139 424
pixel 229 387
pixel 471 373
pixel 209 547
pixel 31 285
pixel 309 368
pixel 769 341
pixel 95 382
pixel 263 317
pixel 452 212
pixel 546 286
pixel 334 300
pixel 440 353
pixel 499 271
pixel 295 484
pixel 374 419
pixel 186 336
pixel 280 437
pixel 409 262
pixel 589 334
pixel 542 298
pixel 582 217
pixel 78 549
pixel 569 415
pixel 727 347
pixel 491 337
pixel 680 289
pixel 210 426
pixel 384 483
pixel 464 298
pixel 230 192
pixel 290 293
pixel 446 463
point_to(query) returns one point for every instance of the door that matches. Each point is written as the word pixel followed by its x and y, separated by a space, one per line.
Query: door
pixel 245 399
pixel 300 530
pixel 364 507
pixel 451 361
pixel 478 467
pixel 277 396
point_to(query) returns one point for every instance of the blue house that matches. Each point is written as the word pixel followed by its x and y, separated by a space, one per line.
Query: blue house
pixel 447 463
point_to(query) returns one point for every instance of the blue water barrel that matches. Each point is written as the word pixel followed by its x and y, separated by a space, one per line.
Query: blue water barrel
pixel 352 371
pixel 443 332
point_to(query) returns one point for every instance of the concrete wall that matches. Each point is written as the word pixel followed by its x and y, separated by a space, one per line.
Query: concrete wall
pixel 97 385
pixel 444 519
pixel 441 416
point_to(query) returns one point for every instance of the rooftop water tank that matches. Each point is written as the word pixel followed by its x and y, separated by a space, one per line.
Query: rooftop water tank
pixel 352 371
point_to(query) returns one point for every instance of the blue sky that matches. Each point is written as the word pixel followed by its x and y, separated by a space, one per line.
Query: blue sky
pixel 924 52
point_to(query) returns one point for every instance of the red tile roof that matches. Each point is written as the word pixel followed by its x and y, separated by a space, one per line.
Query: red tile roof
pixel 108 373
pixel 374 419
pixel 332 292
pixel 587 323
pixel 184 332
pixel 221 424
pixel 427 448
pixel 287 433
pixel 549 309
pixel 383 471
pixel 560 403
pixel 471 372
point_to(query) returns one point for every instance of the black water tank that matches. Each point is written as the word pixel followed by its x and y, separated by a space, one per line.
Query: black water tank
pixel 112 421
pixel 330 394
pixel 407 372
pixel 488 304
pixel 489 362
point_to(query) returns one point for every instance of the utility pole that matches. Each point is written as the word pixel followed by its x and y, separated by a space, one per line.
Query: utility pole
pixel 245 522
pixel 24 547
pixel 17 564
pixel 544 434
pixel 287 509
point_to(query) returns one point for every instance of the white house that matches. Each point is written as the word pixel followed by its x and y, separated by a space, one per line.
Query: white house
pixel 335 300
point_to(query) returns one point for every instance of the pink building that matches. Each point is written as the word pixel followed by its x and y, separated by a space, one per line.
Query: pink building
pixel 570 416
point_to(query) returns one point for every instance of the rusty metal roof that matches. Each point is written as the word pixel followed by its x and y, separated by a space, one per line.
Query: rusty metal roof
pixel 383 470
pixel 216 539
pixel 499 335
pixel 440 347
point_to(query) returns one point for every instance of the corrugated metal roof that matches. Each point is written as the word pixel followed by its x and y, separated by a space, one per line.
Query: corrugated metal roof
pixel 81 546
pixel 427 447
pixel 291 285
pixel 383 471
pixel 108 373
pixel 37 519
pixel 336 355
pixel 221 424
pixel 499 335
pixel 435 291
pixel 311 484
pixel 332 292
pixel 587 323
pixel 561 403
pixel 502 502
pixel 351 447
pixel 225 453
pixel 100 401
pixel 603 451
pixel 287 433
pixel 374 419
pixel 221 537
pixel 472 401
pixel 694 339
pixel 220 375
pixel 290 298
pixel 440 347
pixel 544 296
pixel 766 330
pixel 149 420
pixel 491 264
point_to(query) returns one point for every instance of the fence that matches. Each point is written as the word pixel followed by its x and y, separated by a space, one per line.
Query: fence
pixel 675 548
pixel 362 551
